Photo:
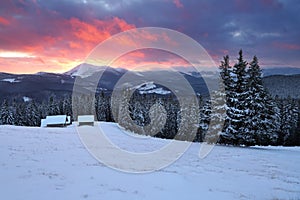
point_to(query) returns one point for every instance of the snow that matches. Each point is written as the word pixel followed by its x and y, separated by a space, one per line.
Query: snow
pixel 11 80
pixel 86 118
pixel 148 86
pixel 52 163
pixel 151 88
pixel 43 123
pixel 56 119
pixel 26 99
pixel 156 91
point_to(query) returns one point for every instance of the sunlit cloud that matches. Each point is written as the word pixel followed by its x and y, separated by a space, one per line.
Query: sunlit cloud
pixel 11 54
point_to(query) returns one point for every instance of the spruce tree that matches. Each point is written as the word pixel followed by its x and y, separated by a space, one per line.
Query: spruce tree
pixel 228 81
pixel 20 115
pixel 255 102
pixel 289 122
pixel 237 109
pixel 6 114
pixel 218 115
pixel 33 115
pixel 101 106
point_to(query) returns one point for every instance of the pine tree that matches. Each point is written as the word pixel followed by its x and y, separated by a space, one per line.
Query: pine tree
pixel 6 114
pixel 218 115
pixel 53 108
pixel 101 107
pixel 67 107
pixel 33 115
pixel 255 125
pixel 228 81
pixel 237 110
pixel 289 122
pixel 269 121
pixel 20 115
pixel 158 116
pixel 205 114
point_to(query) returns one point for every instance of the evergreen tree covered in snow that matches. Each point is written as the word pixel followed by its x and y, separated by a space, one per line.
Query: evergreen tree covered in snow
pixel 261 124
pixel 289 121
pixel 101 107
pixel 252 115
pixel 218 115
pixel 6 114
pixel 237 109
pixel 32 114
pixel 53 107
pixel 20 115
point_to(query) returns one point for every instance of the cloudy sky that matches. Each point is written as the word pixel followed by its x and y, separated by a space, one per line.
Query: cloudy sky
pixel 56 35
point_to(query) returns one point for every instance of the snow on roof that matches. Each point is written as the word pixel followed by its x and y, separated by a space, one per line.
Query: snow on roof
pixel 43 122
pixel 86 118
pixel 56 119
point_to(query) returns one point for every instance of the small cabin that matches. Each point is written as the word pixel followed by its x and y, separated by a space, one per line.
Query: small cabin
pixel 86 120
pixel 56 121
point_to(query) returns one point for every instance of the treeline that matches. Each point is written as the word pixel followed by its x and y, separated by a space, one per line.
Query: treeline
pixel 30 113
pixel 252 116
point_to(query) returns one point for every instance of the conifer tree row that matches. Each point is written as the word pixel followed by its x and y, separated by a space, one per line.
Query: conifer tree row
pixel 252 115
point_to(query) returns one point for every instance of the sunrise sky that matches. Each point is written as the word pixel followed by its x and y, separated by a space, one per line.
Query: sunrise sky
pixel 57 35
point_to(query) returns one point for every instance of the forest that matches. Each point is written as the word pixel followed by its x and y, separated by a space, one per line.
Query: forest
pixel 248 116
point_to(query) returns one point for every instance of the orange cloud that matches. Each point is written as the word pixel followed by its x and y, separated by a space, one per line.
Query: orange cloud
pixel 98 30
pixel 61 48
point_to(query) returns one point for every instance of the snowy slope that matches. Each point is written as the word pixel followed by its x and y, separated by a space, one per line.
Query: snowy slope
pixel 52 163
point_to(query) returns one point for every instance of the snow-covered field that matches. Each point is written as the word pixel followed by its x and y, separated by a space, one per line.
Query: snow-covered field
pixel 52 163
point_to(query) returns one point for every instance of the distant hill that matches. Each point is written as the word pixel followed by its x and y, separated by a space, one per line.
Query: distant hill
pixel 283 85
pixel 281 71
pixel 41 85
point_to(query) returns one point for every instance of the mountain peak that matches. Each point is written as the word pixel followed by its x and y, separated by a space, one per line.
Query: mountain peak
pixel 85 70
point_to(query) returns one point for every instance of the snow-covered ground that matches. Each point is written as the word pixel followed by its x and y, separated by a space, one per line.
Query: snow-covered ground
pixel 52 163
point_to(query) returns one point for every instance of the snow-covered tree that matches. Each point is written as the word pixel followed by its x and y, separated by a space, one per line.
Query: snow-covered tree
pixel 261 121
pixel 102 107
pixel 158 117
pixel 32 114
pixel 237 105
pixel 218 115
pixel 53 107
pixel 7 116
pixel 289 121
pixel 20 115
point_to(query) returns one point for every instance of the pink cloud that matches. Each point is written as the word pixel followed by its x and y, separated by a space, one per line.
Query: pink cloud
pixel 4 21
pixel 59 48
pixel 178 3
pixel 286 46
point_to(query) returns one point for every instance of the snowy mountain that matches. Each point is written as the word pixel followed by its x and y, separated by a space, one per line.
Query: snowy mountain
pixel 53 163
pixel 151 88
pixel 86 70
pixel 41 85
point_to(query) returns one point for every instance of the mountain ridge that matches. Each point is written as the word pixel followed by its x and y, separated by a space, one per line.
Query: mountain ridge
pixel 41 85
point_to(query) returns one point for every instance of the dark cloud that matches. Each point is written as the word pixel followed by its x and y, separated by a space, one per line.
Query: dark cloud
pixel 219 25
